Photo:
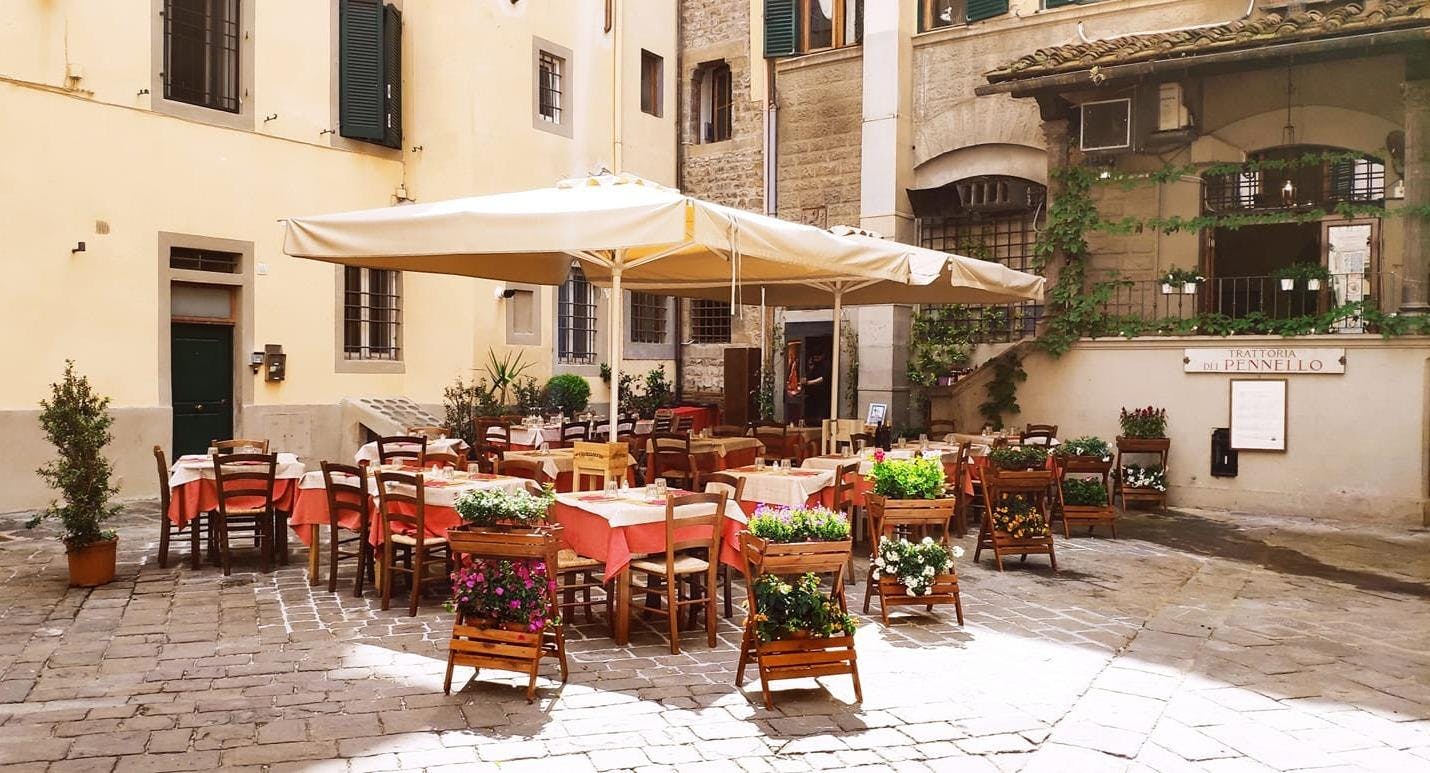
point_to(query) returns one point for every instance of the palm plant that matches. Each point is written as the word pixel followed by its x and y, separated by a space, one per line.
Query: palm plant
pixel 503 373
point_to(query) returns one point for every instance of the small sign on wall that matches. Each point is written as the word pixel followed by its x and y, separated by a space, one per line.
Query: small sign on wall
pixel 1258 414
pixel 1265 360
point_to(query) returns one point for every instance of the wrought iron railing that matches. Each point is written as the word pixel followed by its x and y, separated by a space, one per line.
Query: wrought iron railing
pixel 999 324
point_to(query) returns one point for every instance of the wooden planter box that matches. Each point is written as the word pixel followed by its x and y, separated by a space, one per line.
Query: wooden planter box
pixel 1036 486
pixel 893 593
pixel 799 658
pixel 1088 515
pixel 1158 447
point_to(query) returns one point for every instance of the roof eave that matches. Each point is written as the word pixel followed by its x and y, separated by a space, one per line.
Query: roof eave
pixel 1082 78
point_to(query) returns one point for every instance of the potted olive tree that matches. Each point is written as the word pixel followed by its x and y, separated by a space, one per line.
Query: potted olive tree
pixel 76 421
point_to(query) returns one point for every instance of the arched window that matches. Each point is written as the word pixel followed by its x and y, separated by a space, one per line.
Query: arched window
pixel 1319 184
pixel 992 217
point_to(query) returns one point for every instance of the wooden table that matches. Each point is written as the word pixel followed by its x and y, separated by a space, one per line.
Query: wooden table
pixel 614 528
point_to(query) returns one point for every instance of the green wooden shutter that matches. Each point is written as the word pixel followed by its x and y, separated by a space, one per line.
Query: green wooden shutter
pixel 984 9
pixel 362 105
pixel 1057 3
pixel 781 28
pixel 392 76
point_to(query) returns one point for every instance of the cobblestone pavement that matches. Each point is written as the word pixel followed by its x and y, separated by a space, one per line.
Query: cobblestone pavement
pixel 1198 641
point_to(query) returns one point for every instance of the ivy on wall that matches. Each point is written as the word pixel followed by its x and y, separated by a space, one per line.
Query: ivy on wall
pixel 1003 389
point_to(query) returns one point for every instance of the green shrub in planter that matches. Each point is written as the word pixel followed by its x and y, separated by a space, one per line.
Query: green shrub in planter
pixel 568 393
pixel 76 421
pixel 917 478
pixel 798 524
pixel 1084 492
pixel 784 609
pixel 1019 457
pixel 1085 446
pixel 491 507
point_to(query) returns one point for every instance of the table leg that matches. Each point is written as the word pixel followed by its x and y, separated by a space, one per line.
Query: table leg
pixel 623 607
pixel 314 565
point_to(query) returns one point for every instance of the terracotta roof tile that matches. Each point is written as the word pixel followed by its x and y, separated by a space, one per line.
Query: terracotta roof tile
pixel 1263 27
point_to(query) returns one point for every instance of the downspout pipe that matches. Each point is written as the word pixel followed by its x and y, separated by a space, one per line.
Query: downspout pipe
pixel 680 127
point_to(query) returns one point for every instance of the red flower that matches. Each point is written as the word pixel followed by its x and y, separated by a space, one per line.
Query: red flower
pixel 878 454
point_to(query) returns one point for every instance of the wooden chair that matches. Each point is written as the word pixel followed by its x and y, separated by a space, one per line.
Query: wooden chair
pixel 686 580
pixel 775 438
pixel 1040 434
pixel 486 459
pixel 671 458
pixel 846 485
pixel 408 549
pixel 683 423
pixel 964 482
pixel 499 648
pixel 1086 515
pixel 728 430
pixel 941 428
pixel 244 486
pixel 494 434
pixel 625 427
pixel 1000 486
pixel 239 446
pixel 856 442
pixel 524 468
pixel 196 526
pixel 347 494
pixel 733 487
pixel 429 432
pixel 455 461
pixel 406 450
pixel 572 431
pixel 663 421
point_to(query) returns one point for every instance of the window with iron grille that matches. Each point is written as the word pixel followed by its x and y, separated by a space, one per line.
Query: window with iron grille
pixel 372 314
pixel 1297 185
pixel 576 320
pixel 710 322
pixel 648 318
pixel 201 39
pixel 192 259
pixel 714 103
pixel 550 70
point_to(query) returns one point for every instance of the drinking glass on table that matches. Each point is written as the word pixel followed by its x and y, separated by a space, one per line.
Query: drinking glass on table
pixel 784 465
pixel 660 488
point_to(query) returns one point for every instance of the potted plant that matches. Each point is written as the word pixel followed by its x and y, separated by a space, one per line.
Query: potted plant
pixel 504 510
pixel 773 525
pixel 916 573
pixel 1313 274
pixel 568 393
pixel 1187 279
pixel 1143 424
pixel 514 595
pixel 909 489
pixel 1151 477
pixel 1020 520
pixel 797 610
pixel 1085 447
pixel 76 421
pixel 1018 458
pixel 1286 276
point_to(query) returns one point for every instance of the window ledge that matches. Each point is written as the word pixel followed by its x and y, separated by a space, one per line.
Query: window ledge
pixel 998 23
pixel 817 58
pixel 345 365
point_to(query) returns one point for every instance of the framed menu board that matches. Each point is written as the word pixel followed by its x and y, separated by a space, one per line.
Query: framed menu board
pixel 1258 414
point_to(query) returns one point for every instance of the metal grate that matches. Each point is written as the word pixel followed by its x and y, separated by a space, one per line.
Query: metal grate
pixel 372 314
pixel 648 318
pixel 191 259
pixel 1298 186
pixel 576 320
pixel 549 89
pixel 201 39
pixel 710 322
pixel 1009 239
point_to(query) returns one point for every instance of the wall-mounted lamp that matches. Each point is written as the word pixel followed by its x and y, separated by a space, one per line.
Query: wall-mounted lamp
pixel 79 247
pixel 270 117
pixel 1288 194
pixel 255 361
pixel 505 295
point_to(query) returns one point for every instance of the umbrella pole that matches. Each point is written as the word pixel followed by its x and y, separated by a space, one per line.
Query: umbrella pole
pixel 617 337
pixel 834 356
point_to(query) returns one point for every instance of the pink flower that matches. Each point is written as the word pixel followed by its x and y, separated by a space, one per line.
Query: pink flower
pixel 878 454
pixel 480 577
pixel 515 604
pixel 499 590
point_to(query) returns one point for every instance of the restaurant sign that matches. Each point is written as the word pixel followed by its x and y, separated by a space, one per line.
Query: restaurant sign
pixel 1267 360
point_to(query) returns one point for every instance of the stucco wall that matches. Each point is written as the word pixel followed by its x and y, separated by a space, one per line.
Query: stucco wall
pixel 1356 443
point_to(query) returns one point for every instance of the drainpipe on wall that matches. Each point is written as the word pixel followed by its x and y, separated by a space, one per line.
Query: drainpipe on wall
pixel 613 11
pixel 771 153
pixel 679 326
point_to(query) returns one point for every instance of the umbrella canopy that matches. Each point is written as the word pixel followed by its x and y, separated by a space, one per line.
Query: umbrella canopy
pixel 617 227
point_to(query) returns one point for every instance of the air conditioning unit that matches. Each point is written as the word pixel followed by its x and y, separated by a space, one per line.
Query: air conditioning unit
pixel 1106 125
pixel 1171 108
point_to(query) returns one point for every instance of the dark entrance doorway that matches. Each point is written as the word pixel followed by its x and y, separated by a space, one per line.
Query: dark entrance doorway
pixel 807 392
pixel 1245 260
pixel 201 374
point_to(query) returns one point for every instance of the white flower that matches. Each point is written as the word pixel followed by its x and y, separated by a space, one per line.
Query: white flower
pixel 876 573
pixel 928 540
pixel 928 571
pixel 957 553
pixel 911 582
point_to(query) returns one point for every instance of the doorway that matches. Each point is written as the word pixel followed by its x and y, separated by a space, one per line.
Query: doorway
pixel 201 375
pixel 1245 260
pixel 808 371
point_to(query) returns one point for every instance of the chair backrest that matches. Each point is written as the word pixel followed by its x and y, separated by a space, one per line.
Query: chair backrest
pixel 1040 434
pixel 429 432
pixel 732 486
pixel 625 427
pixel 664 420
pixel 347 491
pixel 402 449
pixel 577 430
pixel 395 505
pixel 493 432
pixel 163 466
pixel 728 430
pixel 670 451
pixel 683 423
pixel 486 458
pixel 672 523
pixel 856 441
pixel 244 480
pixel 456 461
pixel 523 468
pixel 940 428
pixel 509 419
pixel 240 446
pixel 846 482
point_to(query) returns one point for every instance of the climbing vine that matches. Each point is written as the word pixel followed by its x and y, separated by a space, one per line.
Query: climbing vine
pixel 1003 389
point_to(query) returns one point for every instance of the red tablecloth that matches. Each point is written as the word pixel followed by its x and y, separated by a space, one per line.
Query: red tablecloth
pixel 311 509
pixel 702 417
pixel 592 536
pixel 186 502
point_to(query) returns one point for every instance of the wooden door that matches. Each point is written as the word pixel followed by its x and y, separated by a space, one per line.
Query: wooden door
pixel 742 385
pixel 201 374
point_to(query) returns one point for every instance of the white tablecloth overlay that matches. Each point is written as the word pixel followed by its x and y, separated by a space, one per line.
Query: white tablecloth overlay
pixel 643 427
pixel 720 446
pixel 446 445
pixel 553 462
pixel 435 495
pixel 781 488
pixel 631 508
pixel 534 438
pixel 866 461
pixel 190 468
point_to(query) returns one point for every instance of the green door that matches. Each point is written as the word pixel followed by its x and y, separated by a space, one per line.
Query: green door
pixel 202 372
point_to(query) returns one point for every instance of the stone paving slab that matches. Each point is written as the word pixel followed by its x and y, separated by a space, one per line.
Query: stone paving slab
pixel 1199 641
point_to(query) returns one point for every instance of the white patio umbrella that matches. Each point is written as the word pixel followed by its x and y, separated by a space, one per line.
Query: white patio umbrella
pixel 619 228
pixel 932 277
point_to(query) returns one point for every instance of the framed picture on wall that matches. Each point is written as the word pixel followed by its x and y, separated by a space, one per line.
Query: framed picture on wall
pixel 877 412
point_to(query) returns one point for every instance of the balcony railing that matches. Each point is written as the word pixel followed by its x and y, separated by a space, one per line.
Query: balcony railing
pixel 1248 298
pixel 998 324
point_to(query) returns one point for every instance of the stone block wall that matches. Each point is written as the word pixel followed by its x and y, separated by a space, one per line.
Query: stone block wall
pixel 820 99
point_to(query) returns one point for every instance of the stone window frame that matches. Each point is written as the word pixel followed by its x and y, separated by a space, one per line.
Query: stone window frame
pixel 341 362
pixel 243 119
pixel 564 125
pixel 704 102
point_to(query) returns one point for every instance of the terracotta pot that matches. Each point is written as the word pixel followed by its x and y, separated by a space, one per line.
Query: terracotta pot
pixel 92 564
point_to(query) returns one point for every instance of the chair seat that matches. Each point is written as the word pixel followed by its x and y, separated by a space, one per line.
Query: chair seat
pixel 683 565
pixel 411 541
pixel 567 560
pixel 249 511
